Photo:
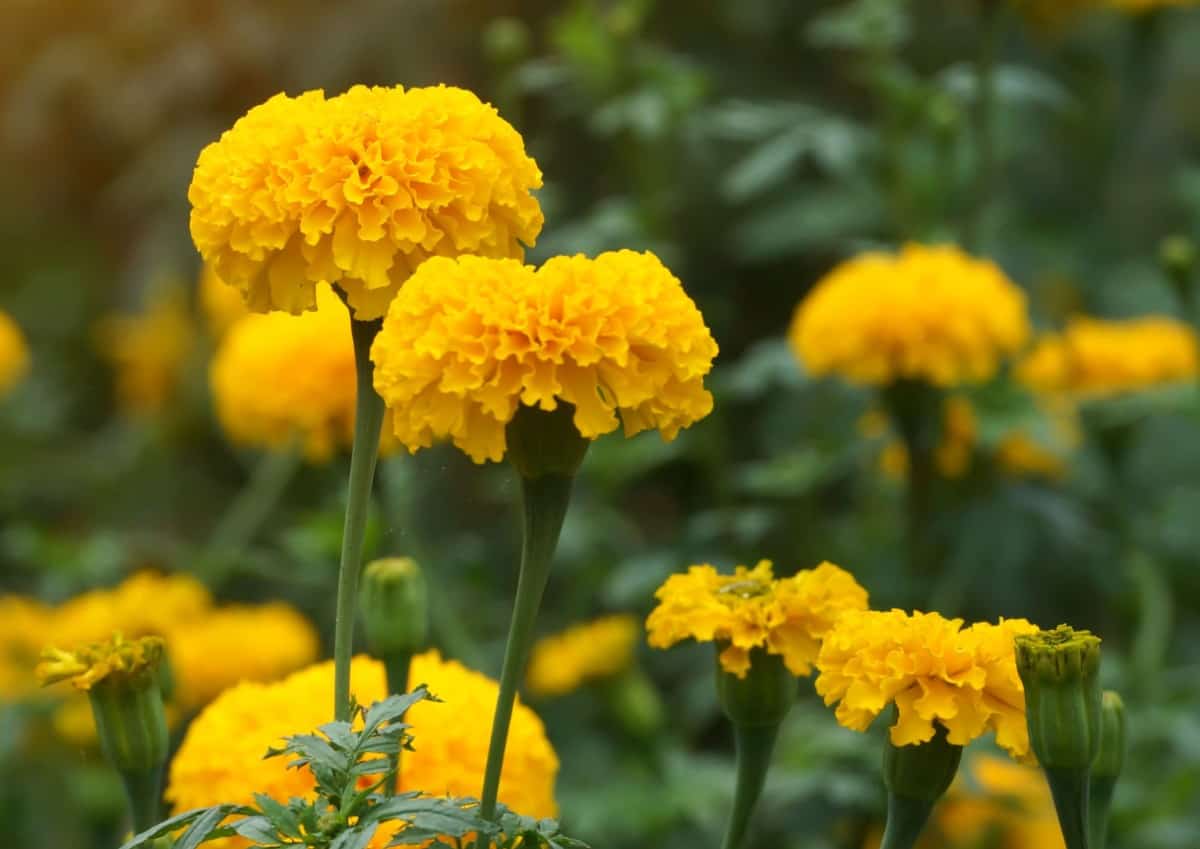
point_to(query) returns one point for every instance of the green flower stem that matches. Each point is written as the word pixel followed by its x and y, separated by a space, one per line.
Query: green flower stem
pixel 368 420
pixel 1069 787
pixel 545 506
pixel 906 818
pixel 397 668
pixel 1099 806
pixel 992 25
pixel 916 410
pixel 144 790
pixel 754 745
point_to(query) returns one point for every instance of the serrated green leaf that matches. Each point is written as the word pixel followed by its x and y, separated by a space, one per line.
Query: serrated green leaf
pixel 200 829
pixel 354 838
pixel 173 824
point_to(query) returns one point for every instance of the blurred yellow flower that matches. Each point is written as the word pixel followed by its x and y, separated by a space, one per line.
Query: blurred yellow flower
pixel 359 190
pixel 14 354
pixel 934 314
pixel 752 609
pixel 146 603
pixel 148 352
pixel 932 669
pixel 220 304
pixel 994 803
pixel 585 652
pixel 113 658
pixel 280 379
pixel 1095 358
pixel 467 341
pixel 221 757
pixel 25 626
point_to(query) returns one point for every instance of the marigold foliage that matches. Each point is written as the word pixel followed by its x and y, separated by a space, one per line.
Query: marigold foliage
pixel 585 652
pixel 221 757
pixel 358 190
pixel 281 379
pixel 933 670
pixel 116 658
pixel 14 354
pixel 926 313
pixel 468 340
pixel 1095 358
pixel 751 609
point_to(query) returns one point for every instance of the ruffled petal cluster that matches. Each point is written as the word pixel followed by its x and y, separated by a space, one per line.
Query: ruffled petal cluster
pixel 1096 358
pixel 14 354
pixel 279 380
pixel 358 190
pixel 752 609
pixel 933 670
pixel 934 314
pixel 589 651
pixel 221 758
pixel 466 341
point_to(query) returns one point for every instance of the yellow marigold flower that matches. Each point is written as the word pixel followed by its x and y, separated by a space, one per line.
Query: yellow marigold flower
pixel 279 378
pixel 221 757
pixel 752 609
pixel 14 354
pixel 589 651
pixel 24 626
pixel 148 352
pixel 143 604
pixel 359 190
pixel 933 670
pixel 115 658
pixel 220 304
pixel 466 341
pixel 1097 358
pixel 927 313
pixel 238 643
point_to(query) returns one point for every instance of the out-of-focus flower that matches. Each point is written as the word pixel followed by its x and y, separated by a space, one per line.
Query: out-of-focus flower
pixel 14 354
pixel 585 652
pixel 148 352
pixel 219 303
pixel 933 314
pixel 220 759
pixel 280 379
pixel 932 669
pixel 1097 358
pixel 359 190
pixel 25 626
pixel 751 609
pixel 146 603
pixel 466 342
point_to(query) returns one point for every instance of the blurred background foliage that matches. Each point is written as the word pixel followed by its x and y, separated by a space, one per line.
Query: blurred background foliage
pixel 753 145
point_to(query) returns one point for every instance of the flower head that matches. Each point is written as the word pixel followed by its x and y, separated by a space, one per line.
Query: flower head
pixel 148 352
pixel 221 758
pixel 1097 358
pixel 114 659
pixel 359 190
pixel 589 651
pixel 934 314
pixel 932 669
pixel 752 609
pixel 467 341
pixel 278 379
pixel 14 354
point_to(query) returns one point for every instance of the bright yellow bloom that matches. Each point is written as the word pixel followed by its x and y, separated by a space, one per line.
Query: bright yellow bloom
pixel 994 803
pixel 238 643
pixel 148 352
pixel 144 604
pixel 221 758
pixel 933 670
pixel 25 626
pixel 466 341
pixel 220 304
pixel 14 354
pixel 278 379
pixel 589 651
pixel 752 609
pixel 114 658
pixel 359 190
pixel 1097 358
pixel 927 313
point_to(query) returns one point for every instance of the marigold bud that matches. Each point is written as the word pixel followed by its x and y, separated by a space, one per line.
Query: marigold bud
pixel 1060 671
pixel 1106 768
pixel 395 607
pixel 545 442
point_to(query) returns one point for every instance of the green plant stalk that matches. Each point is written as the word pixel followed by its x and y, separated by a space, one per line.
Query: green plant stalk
pixel 545 501
pixel 906 818
pixel 1069 787
pixel 368 420
pixel 754 745
pixel 1099 806
pixel 916 410
pixel 144 790
pixel 992 25
pixel 397 668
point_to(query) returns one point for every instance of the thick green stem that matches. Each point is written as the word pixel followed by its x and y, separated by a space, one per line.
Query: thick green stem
pixel 916 409
pixel 545 506
pixel 397 667
pixel 992 25
pixel 754 745
pixel 144 790
pixel 906 819
pixel 1099 807
pixel 367 424
pixel 1069 787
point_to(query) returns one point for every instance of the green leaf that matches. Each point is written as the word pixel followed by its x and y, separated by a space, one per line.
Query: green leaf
pixel 200 829
pixel 173 824
pixel 354 838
